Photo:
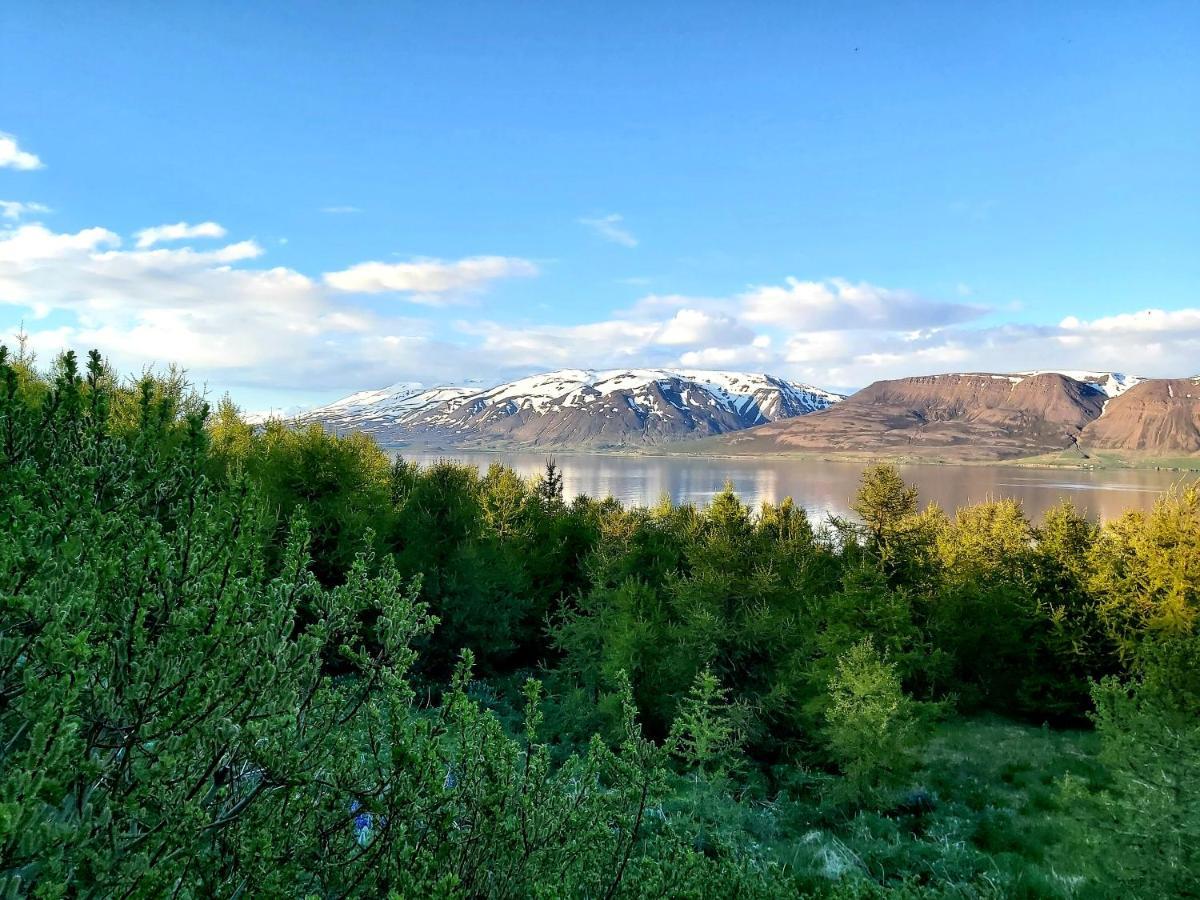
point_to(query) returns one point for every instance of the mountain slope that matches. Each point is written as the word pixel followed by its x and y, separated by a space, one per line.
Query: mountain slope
pixel 970 416
pixel 1159 416
pixel 577 408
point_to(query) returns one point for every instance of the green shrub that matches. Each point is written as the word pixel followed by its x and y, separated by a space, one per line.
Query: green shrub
pixel 871 724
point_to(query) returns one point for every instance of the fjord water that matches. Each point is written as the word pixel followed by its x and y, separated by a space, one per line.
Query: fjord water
pixel 824 487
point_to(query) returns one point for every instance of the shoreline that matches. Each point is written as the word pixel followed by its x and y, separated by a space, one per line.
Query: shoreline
pixel 1042 461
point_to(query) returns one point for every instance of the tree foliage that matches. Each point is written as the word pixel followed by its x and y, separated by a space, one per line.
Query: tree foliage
pixel 242 660
pixel 871 724
pixel 187 709
pixel 706 733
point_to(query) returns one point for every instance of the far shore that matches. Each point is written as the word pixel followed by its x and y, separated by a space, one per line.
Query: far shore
pixel 1096 461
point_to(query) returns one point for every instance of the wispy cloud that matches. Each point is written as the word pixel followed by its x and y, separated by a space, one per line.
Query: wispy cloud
pixel 15 209
pixel 13 157
pixel 433 282
pixel 609 227
pixel 340 210
pixel 838 304
pixel 179 231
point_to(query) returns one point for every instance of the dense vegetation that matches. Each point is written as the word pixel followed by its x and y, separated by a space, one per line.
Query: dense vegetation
pixel 273 662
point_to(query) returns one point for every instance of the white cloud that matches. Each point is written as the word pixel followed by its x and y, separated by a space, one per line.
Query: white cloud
pixel 844 335
pixel 340 210
pixel 691 327
pixel 216 313
pixel 613 343
pixel 433 282
pixel 1167 345
pixel 178 305
pixel 687 337
pixel 13 157
pixel 1147 321
pixel 816 347
pixel 36 243
pixel 234 320
pixel 657 306
pixel 235 252
pixel 179 231
pixel 800 327
pixel 609 227
pixel 841 305
pixel 15 209
pixel 749 356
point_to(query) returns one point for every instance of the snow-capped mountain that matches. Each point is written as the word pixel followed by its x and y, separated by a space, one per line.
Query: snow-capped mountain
pixel 577 408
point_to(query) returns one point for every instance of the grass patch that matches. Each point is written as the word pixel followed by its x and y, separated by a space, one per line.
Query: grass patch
pixel 982 817
pixel 1108 459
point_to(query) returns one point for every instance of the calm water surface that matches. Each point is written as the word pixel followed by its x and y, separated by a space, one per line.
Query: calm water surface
pixel 826 487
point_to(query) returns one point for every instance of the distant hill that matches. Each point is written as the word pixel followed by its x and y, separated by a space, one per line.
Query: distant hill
pixel 1157 417
pixel 958 417
pixel 576 408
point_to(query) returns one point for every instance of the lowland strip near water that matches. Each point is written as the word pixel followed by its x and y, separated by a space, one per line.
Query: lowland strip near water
pixel 823 487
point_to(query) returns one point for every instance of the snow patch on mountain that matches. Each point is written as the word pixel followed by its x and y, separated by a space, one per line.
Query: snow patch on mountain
pixel 1112 384
pixel 575 387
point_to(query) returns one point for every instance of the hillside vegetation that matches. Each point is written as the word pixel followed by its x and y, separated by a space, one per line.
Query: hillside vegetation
pixel 240 662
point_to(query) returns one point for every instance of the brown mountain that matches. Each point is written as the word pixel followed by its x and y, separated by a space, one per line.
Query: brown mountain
pixel 951 417
pixel 1156 417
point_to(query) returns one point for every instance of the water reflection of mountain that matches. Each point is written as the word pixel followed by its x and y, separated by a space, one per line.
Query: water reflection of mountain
pixel 824 488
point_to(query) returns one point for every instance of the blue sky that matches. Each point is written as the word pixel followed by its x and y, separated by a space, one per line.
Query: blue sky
pixel 837 192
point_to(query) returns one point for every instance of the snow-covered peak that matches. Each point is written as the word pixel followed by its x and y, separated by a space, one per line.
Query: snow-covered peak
pixel 357 401
pixel 400 398
pixel 273 414
pixel 723 400
pixel 571 387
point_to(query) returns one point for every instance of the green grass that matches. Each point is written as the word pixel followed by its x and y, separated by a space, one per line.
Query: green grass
pixel 1108 459
pixel 982 815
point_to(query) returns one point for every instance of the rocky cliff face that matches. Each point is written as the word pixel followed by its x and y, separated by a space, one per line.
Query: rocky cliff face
pixel 1155 417
pixel 575 408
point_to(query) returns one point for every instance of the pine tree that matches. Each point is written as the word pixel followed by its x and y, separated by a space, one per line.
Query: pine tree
pixel 884 500
pixel 706 733
pixel 550 485
pixel 871 722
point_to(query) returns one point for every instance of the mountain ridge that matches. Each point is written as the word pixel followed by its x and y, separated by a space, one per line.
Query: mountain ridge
pixel 585 408
pixel 982 416
pixel 1069 415
pixel 969 416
